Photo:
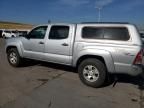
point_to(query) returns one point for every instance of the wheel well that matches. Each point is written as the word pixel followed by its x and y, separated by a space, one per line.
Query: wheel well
pixel 90 56
pixel 9 47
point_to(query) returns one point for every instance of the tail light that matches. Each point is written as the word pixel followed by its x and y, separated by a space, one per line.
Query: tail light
pixel 139 57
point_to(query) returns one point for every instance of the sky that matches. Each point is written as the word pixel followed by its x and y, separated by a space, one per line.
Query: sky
pixel 72 11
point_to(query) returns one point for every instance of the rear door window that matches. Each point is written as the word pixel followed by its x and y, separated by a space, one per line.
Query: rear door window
pixel 59 32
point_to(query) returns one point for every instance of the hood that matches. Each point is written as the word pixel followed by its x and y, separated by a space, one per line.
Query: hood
pixel 16 39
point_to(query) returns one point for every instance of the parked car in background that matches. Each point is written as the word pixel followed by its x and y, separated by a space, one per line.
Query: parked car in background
pixel 23 33
pixel 16 32
pixel 8 34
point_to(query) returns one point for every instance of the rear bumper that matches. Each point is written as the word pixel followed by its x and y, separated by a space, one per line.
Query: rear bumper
pixel 136 70
pixel 133 70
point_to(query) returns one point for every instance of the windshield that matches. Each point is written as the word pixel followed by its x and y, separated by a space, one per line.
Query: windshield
pixel 7 31
pixel 14 31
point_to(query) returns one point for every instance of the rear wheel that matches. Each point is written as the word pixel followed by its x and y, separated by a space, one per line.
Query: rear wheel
pixel 14 57
pixel 92 72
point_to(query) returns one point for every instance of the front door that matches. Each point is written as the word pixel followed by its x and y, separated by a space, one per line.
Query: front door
pixel 35 43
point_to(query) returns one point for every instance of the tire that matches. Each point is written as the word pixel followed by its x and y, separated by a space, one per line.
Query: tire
pixel 13 57
pixel 3 36
pixel 142 75
pixel 92 72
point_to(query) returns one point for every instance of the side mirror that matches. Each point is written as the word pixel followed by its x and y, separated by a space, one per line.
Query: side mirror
pixel 27 36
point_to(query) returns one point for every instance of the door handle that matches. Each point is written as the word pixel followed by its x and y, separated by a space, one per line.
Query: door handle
pixel 64 44
pixel 41 42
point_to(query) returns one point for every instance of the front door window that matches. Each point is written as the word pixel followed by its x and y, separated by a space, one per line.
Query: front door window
pixel 38 33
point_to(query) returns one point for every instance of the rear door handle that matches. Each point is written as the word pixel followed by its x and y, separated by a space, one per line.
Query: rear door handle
pixel 64 44
pixel 41 42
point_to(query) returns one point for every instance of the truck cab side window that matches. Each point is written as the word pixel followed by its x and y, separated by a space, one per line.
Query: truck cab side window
pixel 59 32
pixel 38 33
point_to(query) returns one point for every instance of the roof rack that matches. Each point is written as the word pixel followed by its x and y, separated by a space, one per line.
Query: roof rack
pixel 105 23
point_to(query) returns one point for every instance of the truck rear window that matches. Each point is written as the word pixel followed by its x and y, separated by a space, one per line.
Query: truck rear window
pixel 110 33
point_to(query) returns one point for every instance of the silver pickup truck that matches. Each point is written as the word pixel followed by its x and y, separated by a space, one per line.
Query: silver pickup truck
pixel 95 49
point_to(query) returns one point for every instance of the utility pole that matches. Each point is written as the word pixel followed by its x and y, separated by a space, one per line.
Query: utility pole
pixel 99 13
pixel 99 17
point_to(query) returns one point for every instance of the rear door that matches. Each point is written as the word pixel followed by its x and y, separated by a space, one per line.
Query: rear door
pixel 59 44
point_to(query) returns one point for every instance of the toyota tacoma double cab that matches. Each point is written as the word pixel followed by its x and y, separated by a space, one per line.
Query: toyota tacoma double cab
pixel 94 49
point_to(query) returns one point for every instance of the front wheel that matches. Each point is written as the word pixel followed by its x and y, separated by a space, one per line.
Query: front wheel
pixel 92 72
pixel 3 36
pixel 14 57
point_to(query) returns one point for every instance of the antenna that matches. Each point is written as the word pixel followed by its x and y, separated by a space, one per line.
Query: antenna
pixel 49 21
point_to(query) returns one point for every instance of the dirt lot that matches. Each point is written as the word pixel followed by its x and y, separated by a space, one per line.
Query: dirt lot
pixel 13 25
pixel 45 85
